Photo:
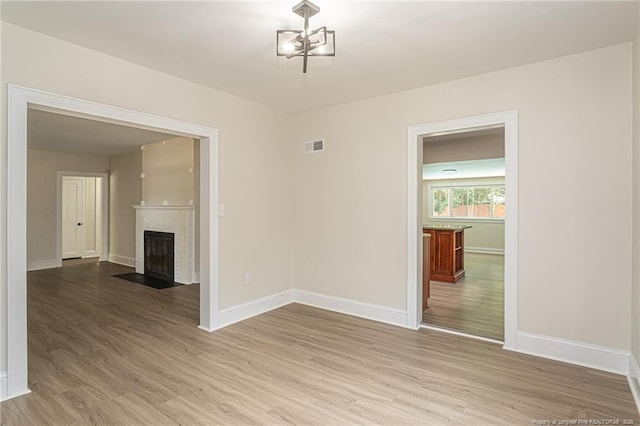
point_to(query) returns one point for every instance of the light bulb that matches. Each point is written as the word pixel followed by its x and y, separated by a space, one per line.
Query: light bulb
pixel 288 47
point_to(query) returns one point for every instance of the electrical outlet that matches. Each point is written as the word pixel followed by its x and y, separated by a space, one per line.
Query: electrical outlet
pixel 248 278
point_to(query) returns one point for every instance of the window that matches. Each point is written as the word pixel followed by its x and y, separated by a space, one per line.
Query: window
pixel 467 202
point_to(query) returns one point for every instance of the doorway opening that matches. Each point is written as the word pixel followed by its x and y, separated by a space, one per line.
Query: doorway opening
pixel 82 215
pixel 20 101
pixel 463 211
pixel 415 226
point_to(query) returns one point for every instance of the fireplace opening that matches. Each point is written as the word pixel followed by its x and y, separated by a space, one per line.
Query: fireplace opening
pixel 159 255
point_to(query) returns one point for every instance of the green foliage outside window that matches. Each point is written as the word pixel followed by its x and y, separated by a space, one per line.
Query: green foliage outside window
pixel 486 202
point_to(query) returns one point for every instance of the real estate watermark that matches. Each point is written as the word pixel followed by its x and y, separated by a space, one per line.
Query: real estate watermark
pixel 582 421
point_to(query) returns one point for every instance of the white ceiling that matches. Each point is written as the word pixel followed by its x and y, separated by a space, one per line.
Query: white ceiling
pixel 493 167
pixel 49 131
pixel 381 47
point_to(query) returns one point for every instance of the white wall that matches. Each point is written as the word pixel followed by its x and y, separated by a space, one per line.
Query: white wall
pixel 255 169
pixel 125 190
pixel 484 236
pixel 42 168
pixel 574 141
pixel 168 172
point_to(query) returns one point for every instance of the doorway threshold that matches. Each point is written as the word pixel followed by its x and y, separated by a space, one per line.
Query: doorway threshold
pixel 460 333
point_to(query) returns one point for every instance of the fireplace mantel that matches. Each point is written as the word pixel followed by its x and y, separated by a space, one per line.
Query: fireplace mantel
pixel 179 220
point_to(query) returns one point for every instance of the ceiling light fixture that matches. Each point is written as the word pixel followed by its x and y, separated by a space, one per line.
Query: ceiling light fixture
pixel 305 42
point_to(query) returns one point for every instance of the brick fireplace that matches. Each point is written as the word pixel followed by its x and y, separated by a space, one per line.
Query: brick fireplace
pixel 179 220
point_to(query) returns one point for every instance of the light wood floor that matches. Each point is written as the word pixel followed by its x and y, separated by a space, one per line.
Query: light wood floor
pixel 475 305
pixel 106 351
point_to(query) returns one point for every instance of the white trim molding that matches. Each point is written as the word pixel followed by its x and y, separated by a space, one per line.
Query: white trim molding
pixel 3 385
pixel 250 309
pixel 579 353
pixel 247 310
pixel 36 265
pixel 483 250
pixel 633 377
pixel 19 101
pixel 370 311
pixel 4 388
pixel 122 260
pixel 415 134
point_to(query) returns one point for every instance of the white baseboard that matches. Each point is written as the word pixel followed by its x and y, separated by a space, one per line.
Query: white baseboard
pixel 352 307
pixel 122 260
pixel 36 265
pixel 3 385
pixel 255 307
pixel 634 380
pixel 585 354
pixel 483 250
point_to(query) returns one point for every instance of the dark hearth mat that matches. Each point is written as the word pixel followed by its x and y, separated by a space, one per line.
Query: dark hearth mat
pixel 146 280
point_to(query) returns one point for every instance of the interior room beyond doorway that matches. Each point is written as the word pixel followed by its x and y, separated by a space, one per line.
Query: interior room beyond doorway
pixel 463 214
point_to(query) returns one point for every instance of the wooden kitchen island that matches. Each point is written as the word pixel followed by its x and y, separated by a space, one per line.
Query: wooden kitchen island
pixel 446 251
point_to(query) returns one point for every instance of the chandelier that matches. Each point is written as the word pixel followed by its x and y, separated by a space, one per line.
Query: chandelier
pixel 305 42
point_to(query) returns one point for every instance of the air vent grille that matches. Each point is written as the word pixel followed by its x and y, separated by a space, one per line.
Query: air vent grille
pixel 314 146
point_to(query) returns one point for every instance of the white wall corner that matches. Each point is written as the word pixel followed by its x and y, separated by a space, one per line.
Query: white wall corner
pixel 247 310
pixel 579 353
pixel 122 260
pixel 351 307
pixel 634 380
pixel 3 385
pixel 36 265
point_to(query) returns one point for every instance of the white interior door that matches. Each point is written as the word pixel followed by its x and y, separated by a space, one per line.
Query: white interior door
pixel 92 216
pixel 73 208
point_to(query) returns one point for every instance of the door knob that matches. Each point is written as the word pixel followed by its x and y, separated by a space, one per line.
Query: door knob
pixel 79 224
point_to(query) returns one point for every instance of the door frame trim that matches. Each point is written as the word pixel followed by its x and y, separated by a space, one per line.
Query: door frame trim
pixel 104 212
pixel 19 100
pixel 509 119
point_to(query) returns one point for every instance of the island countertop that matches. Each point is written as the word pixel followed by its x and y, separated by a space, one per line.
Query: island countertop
pixel 445 226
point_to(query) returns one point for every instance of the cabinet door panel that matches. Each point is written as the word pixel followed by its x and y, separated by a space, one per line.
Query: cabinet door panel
pixel 444 253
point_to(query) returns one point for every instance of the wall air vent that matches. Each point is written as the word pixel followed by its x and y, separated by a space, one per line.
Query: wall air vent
pixel 314 146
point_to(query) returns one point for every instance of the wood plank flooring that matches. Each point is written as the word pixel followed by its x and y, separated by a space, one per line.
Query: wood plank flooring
pixel 475 305
pixel 106 351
